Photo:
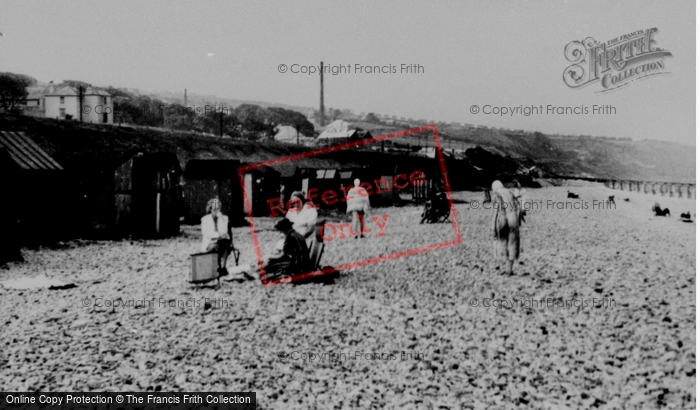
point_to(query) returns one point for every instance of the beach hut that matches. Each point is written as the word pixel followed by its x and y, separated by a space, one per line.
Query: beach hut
pixel 147 195
pixel 208 178
pixel 34 208
pixel 320 180
pixel 262 185
pixel 9 210
pixel 382 178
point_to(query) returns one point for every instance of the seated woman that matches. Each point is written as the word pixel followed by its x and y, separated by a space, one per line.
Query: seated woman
pixel 291 256
pixel 302 214
pixel 216 234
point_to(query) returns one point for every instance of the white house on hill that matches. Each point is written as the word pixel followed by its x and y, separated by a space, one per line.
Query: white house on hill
pixel 340 130
pixel 64 102
pixel 289 134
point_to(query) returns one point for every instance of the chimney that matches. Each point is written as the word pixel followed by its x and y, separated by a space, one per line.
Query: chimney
pixel 185 97
pixel 323 115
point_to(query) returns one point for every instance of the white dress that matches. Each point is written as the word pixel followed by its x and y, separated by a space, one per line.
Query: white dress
pixel 358 200
pixel 304 220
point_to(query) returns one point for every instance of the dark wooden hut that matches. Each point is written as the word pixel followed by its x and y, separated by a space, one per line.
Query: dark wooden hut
pixel 10 209
pixel 383 167
pixel 319 180
pixel 263 186
pixel 147 195
pixel 208 178
pixel 34 185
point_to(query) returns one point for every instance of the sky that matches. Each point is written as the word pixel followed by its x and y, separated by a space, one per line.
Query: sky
pixel 472 53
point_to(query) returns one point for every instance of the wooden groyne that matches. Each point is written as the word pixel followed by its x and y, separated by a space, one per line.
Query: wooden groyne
pixel 668 189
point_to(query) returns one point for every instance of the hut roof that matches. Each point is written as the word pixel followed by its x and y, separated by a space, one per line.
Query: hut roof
pixel 158 161
pixel 212 169
pixel 266 170
pixel 338 129
pixel 26 153
pixel 69 91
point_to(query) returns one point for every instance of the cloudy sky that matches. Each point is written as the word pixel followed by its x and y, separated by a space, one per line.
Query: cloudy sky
pixel 480 53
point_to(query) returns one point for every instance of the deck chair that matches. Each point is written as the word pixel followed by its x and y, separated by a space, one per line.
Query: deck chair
pixel 205 265
pixel 444 213
pixel 315 254
pixel 204 268
pixel 317 245
pixel 436 213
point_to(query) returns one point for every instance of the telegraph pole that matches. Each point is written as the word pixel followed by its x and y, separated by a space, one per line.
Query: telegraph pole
pixel 80 101
pixel 323 115
pixel 221 123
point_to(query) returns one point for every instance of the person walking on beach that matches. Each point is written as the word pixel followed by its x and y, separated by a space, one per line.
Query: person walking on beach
pixel 358 207
pixel 505 224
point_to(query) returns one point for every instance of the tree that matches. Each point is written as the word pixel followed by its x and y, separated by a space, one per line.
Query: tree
pixel 216 121
pixel 13 90
pixel 282 116
pixel 76 84
pixel 255 121
pixel 348 115
pixel 118 93
pixel 334 114
pixel 125 108
pixel 177 117
pixel 372 118
pixel 141 110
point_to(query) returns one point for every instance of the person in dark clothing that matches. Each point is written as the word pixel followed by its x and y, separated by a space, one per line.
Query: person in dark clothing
pixel 437 205
pixel 292 255
pixel 660 212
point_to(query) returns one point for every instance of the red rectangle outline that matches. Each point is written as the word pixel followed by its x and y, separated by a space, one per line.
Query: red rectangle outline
pixel 309 154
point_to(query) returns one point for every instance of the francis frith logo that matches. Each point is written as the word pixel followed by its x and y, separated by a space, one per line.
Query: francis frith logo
pixel 615 63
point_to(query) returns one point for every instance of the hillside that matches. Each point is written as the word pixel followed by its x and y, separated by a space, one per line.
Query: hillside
pixel 88 146
pixel 553 155
pixel 587 156
pixel 581 156
pixel 202 100
pixel 82 145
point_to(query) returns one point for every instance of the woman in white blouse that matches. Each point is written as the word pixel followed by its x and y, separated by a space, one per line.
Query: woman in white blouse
pixel 302 214
pixel 216 234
